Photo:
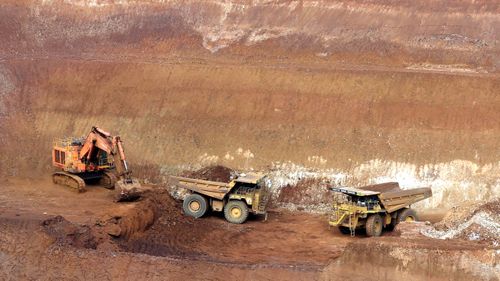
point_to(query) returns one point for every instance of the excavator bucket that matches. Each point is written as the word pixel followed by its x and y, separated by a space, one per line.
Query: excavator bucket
pixel 128 190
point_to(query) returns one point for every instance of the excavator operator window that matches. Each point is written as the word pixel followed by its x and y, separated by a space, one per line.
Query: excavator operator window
pixel 60 156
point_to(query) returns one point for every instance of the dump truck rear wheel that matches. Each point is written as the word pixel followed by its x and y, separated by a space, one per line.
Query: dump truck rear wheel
pixel 236 211
pixel 195 205
pixel 374 225
pixel 344 230
pixel 408 215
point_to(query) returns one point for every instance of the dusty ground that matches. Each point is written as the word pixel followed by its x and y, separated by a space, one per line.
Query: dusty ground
pixel 152 239
pixel 349 92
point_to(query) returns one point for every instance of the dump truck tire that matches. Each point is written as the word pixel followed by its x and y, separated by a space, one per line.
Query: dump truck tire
pixel 236 211
pixel 407 215
pixel 374 225
pixel 195 205
pixel 344 230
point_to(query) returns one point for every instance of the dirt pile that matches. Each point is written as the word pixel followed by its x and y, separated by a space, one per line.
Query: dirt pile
pixel 310 194
pixel 139 219
pixel 168 235
pixel 67 233
pixel 477 222
pixel 103 232
pixel 211 173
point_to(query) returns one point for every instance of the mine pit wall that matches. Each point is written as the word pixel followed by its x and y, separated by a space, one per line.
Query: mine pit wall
pixel 249 87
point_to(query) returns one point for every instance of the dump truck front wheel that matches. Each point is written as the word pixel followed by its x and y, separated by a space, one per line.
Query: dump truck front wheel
pixel 195 205
pixel 407 215
pixel 236 211
pixel 374 225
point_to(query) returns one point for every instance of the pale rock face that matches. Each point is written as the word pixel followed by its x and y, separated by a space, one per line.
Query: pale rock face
pixel 223 23
pixel 452 183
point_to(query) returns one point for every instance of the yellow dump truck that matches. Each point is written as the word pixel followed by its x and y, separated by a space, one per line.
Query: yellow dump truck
pixel 243 195
pixel 361 209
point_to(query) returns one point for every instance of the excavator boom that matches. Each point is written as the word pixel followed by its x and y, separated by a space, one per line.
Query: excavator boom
pixel 96 139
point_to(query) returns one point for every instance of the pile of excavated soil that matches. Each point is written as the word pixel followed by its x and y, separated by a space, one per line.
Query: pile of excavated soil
pixel 103 233
pixel 216 173
pixel 167 236
pixel 211 173
pixel 477 222
pixel 65 232
pixel 310 194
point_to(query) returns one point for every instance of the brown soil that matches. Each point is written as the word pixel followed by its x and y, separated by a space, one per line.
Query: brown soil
pixel 245 84
pixel 211 173
pixel 306 191
pixel 67 233
pixel 300 240
pixel 154 239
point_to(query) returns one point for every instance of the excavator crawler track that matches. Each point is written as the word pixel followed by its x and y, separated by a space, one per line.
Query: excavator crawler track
pixel 70 180
pixel 108 180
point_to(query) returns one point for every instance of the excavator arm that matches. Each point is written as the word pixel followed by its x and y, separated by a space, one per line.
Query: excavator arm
pixel 119 157
pixel 112 145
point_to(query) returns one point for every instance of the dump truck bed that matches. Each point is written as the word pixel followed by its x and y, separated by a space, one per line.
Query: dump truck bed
pixel 391 200
pixel 395 200
pixel 216 189
pixel 213 189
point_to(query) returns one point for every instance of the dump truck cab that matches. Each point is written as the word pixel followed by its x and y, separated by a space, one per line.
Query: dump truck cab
pixel 244 194
pixel 251 189
pixel 356 208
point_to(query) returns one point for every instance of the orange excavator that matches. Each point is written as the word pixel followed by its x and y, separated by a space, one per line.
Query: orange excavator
pixel 100 158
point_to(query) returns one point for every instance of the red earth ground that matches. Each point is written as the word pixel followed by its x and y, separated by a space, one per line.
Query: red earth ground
pixel 152 240
pixel 368 88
